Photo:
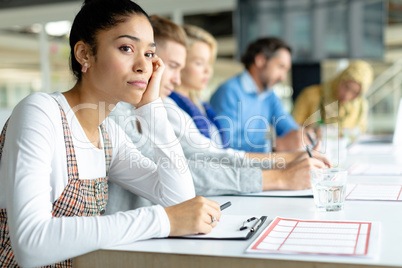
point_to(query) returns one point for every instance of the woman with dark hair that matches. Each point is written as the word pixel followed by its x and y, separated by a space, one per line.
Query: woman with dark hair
pixel 59 150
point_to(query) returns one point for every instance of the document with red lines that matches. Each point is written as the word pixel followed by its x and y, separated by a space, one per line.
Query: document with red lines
pixel 376 149
pixel 381 192
pixel 295 236
pixel 372 169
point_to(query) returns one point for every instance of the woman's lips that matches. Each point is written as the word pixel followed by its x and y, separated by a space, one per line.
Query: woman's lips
pixel 139 83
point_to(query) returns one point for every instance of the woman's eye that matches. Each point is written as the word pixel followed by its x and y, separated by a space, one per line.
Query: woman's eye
pixel 126 49
pixel 150 55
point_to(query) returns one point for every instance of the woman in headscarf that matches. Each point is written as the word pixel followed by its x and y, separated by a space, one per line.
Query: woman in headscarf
pixel 340 100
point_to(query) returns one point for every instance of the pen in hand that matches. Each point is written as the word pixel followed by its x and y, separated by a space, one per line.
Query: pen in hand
pixel 309 152
pixel 313 143
pixel 222 207
pixel 226 205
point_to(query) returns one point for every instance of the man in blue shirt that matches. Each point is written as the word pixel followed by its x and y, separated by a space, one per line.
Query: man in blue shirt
pixel 246 105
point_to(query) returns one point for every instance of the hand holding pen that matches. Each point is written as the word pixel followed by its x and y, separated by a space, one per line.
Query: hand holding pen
pixel 226 205
pixel 222 207
pixel 312 141
pixel 194 216
pixel 316 145
pixel 309 151
pixel 317 155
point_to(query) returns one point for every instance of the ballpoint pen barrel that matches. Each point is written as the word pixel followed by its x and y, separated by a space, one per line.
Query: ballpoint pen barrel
pixel 226 205
pixel 255 225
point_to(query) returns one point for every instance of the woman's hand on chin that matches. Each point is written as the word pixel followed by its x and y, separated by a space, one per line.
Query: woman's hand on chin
pixel 152 91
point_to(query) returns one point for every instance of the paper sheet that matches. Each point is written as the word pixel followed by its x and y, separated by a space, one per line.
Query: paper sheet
pixel 294 193
pixel 373 149
pixel 385 192
pixel 314 237
pixel 375 169
pixel 227 228
pixel 370 138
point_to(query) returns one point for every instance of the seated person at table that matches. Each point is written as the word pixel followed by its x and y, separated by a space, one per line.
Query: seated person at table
pixel 218 171
pixel 193 122
pixel 59 150
pixel 339 100
pixel 247 106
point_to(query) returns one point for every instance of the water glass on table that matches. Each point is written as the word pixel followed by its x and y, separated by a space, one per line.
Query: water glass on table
pixel 329 188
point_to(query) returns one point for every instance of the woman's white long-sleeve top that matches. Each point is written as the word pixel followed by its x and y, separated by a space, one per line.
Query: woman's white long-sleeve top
pixel 33 174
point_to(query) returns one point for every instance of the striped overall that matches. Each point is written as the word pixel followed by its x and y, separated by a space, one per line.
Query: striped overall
pixel 79 198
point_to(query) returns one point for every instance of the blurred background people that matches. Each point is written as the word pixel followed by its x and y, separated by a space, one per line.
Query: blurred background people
pixel 340 100
pixel 218 171
pixel 203 139
pixel 196 74
pixel 250 103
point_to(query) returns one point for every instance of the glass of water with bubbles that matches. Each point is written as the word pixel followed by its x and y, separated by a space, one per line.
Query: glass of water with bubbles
pixel 329 188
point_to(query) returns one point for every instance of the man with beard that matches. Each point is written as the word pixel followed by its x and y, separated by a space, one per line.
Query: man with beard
pixel 246 105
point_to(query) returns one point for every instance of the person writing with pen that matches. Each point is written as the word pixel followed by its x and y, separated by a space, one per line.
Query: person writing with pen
pixel 203 138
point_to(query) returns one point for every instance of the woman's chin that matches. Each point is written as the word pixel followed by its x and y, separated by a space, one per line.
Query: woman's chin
pixel 133 99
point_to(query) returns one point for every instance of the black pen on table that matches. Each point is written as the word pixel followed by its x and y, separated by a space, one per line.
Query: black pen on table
pixel 226 205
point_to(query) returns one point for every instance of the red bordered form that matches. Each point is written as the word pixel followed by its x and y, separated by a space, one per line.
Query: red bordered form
pixel 372 149
pixel 293 236
pixel 379 192
pixel 375 169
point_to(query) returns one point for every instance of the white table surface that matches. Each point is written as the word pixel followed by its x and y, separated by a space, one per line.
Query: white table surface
pixel 387 213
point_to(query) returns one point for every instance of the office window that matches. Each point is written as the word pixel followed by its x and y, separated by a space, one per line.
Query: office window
pixel 316 29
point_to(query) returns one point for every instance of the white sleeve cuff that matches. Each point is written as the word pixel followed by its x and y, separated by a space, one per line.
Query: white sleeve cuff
pixel 165 223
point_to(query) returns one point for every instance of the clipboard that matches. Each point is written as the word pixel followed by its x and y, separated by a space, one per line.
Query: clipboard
pixel 228 228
